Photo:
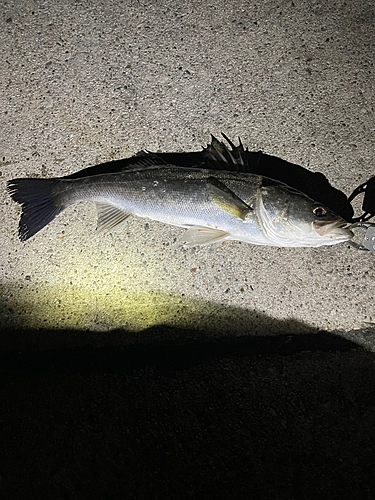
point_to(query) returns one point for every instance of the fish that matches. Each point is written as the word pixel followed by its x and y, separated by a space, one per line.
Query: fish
pixel 218 156
pixel 214 205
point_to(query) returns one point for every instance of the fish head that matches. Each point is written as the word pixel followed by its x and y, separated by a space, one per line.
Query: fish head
pixel 290 218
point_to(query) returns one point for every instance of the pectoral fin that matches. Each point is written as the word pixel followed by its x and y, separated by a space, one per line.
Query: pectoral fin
pixel 227 200
pixel 204 236
pixel 109 217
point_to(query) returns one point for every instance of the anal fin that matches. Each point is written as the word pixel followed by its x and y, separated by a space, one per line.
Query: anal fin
pixel 109 216
pixel 198 235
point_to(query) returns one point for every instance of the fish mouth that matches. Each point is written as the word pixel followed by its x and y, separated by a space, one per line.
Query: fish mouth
pixel 335 229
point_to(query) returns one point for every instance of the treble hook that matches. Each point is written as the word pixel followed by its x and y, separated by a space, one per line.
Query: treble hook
pixel 362 246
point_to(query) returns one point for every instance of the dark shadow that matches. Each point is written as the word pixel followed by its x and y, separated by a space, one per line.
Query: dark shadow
pixel 173 413
pixel 164 356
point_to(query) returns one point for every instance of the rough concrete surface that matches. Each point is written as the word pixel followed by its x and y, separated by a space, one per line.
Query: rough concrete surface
pixel 86 82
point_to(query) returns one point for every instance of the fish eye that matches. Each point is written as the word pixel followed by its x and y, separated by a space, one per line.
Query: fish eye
pixel 319 211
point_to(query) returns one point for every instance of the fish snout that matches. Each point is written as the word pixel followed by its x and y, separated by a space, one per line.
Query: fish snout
pixel 335 228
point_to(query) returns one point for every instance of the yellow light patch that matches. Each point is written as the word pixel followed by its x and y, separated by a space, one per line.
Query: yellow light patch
pixel 57 307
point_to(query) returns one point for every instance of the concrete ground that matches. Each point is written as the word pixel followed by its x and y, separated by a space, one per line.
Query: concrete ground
pixel 92 81
pixel 84 83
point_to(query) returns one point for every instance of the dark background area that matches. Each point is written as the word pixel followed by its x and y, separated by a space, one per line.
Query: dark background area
pixel 171 414
pixel 250 417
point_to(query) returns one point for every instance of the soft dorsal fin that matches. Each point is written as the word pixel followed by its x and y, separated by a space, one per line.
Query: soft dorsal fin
pixel 145 159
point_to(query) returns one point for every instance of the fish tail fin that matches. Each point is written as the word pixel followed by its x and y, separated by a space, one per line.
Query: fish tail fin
pixel 39 204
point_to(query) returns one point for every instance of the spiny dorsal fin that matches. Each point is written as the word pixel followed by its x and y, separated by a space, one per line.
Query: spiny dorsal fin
pixel 224 158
